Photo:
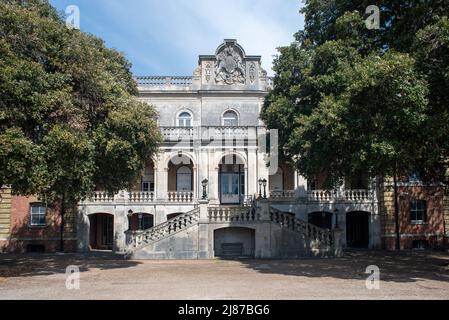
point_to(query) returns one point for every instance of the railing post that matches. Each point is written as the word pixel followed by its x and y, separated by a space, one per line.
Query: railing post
pixel 263 210
pixel 204 215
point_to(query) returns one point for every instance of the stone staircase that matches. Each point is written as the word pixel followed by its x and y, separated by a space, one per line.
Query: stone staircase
pixel 190 235
pixel 288 220
pixel 138 239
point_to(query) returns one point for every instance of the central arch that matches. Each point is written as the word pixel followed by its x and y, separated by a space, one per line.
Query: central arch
pixel 234 242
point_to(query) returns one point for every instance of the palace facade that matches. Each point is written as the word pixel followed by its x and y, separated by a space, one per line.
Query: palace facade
pixel 215 189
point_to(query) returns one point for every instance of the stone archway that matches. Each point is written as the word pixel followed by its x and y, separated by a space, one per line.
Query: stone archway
pixel 101 233
pixel 357 229
pixel 234 242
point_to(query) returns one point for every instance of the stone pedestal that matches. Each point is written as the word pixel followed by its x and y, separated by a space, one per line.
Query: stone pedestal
pixel 338 245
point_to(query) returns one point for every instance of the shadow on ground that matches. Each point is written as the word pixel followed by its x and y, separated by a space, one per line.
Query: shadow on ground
pixel 406 266
pixel 29 265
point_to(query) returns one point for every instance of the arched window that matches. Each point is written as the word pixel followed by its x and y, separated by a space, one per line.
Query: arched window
pixel 184 179
pixel 230 119
pixel 185 120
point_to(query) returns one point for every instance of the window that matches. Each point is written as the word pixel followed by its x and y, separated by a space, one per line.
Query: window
pixel 414 178
pixel 230 119
pixel 184 179
pixel 185 120
pixel 147 186
pixel 418 212
pixel 38 212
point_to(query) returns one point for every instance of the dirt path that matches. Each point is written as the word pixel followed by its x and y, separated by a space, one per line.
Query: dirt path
pixel 407 275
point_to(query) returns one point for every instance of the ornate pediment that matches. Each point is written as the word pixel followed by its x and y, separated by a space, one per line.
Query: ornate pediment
pixel 230 68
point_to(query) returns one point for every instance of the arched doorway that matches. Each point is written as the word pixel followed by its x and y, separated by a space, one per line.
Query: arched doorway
pixel 140 221
pixel 101 231
pixel 180 174
pixel 357 229
pixel 234 242
pixel 231 177
pixel 321 219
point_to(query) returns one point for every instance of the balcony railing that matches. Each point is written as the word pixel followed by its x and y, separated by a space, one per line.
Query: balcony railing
pixel 325 195
pixel 344 195
pixel 164 81
pixel 180 196
pixel 211 133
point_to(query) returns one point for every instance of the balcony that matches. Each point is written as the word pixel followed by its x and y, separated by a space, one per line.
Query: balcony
pixel 210 133
pixel 362 195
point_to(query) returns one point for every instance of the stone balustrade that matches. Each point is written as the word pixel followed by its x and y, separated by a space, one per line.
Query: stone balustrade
pixel 324 195
pixel 102 197
pixel 342 195
pixel 210 133
pixel 289 221
pixel 136 197
pixel 164 81
pixel 283 195
pixel 151 82
pixel 136 239
pixel 232 214
pixel 180 196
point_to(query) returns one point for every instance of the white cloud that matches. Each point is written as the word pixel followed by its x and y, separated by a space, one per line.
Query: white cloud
pixel 182 30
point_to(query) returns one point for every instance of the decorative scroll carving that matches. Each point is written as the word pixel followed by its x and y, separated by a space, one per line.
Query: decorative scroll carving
pixel 252 72
pixel 208 72
pixel 229 68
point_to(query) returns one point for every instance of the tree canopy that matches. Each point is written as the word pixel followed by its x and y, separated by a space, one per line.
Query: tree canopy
pixel 69 117
pixel 348 99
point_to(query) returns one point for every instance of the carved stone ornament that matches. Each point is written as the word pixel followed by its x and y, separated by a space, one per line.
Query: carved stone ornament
pixel 208 72
pixel 229 68
pixel 252 72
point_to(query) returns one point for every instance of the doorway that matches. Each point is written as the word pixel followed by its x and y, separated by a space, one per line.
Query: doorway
pixel 357 229
pixel 101 231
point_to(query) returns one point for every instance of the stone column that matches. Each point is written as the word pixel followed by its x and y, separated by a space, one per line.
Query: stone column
pixel 253 174
pixel 83 230
pixel 264 235
pixel 205 244
pixel 120 222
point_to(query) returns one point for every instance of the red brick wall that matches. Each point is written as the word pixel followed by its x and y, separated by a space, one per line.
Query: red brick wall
pixel 23 234
pixel 432 231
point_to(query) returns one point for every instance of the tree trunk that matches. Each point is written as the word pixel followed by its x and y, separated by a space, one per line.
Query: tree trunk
pixel 396 213
pixel 61 244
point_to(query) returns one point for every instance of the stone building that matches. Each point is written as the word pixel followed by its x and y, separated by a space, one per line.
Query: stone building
pixel 215 189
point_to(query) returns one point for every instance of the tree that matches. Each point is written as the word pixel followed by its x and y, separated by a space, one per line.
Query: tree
pixel 69 118
pixel 347 99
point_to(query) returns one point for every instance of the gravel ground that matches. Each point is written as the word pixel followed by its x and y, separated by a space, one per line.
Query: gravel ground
pixel 404 275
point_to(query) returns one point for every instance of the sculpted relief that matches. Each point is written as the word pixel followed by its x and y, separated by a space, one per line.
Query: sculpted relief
pixel 229 67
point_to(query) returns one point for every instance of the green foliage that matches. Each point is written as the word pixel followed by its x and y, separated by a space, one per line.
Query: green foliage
pixel 350 100
pixel 69 119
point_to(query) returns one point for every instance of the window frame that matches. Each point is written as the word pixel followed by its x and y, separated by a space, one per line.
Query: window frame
pixel 181 121
pixel 32 214
pixel 416 211
pixel 224 118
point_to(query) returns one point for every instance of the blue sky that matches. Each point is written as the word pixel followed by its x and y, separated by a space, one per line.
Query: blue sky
pixel 165 37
